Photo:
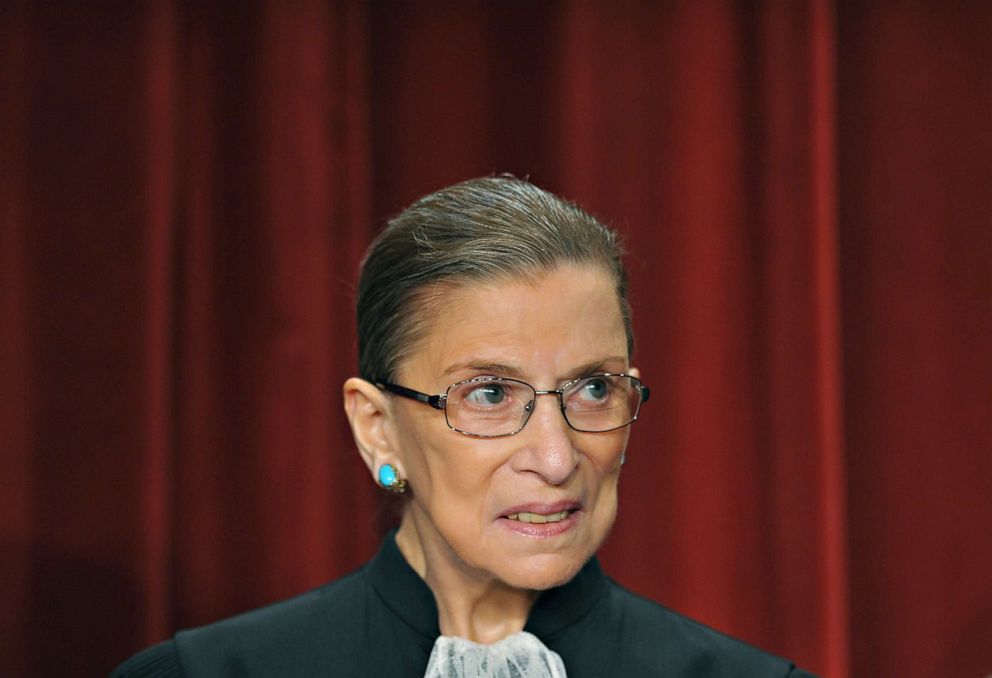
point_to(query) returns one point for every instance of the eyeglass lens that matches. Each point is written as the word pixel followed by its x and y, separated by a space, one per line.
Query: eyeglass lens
pixel 498 407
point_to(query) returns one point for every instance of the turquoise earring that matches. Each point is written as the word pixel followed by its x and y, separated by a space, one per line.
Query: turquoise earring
pixel 390 479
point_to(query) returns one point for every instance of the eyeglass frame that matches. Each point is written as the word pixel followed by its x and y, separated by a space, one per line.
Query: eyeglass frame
pixel 439 402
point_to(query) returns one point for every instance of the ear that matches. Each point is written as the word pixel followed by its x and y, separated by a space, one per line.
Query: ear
pixel 634 372
pixel 367 409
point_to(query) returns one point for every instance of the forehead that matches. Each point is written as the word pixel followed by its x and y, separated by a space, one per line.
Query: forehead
pixel 541 326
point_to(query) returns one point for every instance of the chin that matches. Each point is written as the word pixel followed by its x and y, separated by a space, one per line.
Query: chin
pixel 542 572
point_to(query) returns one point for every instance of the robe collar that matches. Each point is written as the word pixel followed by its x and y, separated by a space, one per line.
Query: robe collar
pixel 409 598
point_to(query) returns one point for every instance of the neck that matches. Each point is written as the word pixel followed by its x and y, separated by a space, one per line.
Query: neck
pixel 471 603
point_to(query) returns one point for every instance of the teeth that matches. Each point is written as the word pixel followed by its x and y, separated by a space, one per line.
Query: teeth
pixel 539 517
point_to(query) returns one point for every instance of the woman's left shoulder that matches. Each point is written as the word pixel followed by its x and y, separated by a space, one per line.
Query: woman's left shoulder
pixel 652 639
pixel 157 661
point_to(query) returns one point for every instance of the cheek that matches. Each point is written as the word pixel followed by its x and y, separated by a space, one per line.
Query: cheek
pixel 457 476
pixel 604 491
pixel 415 440
pixel 606 453
pixel 604 465
pixel 447 471
pixel 465 489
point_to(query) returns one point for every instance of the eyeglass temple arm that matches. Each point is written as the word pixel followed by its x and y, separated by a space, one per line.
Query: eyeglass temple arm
pixel 435 401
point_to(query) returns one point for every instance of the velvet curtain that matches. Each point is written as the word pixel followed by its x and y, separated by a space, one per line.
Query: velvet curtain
pixel 185 193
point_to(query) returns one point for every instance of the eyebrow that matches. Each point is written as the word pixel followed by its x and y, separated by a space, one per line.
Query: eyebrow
pixel 515 372
pixel 593 367
pixel 484 366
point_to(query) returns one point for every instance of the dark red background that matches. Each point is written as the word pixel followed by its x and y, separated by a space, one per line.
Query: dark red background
pixel 806 191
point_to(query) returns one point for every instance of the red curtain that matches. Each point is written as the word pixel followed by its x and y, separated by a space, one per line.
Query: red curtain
pixel 806 192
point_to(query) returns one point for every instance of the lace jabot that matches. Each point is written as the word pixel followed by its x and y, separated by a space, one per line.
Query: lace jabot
pixel 520 655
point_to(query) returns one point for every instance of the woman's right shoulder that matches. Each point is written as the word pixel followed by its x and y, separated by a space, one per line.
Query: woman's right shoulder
pixel 272 633
pixel 158 661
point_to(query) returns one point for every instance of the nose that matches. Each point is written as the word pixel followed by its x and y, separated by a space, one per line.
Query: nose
pixel 547 448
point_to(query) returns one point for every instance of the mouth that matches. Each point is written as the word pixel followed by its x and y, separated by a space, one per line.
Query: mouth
pixel 539 518
pixel 542 520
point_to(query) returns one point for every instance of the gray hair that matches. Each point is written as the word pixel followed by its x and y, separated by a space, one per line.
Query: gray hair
pixel 481 230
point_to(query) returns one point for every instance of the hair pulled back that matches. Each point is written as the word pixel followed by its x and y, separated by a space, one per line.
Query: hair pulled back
pixel 482 230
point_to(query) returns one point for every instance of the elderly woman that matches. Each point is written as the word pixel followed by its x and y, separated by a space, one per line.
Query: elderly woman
pixel 495 398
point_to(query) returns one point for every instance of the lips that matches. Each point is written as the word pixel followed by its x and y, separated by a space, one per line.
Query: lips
pixel 542 521
pixel 542 513
pixel 526 517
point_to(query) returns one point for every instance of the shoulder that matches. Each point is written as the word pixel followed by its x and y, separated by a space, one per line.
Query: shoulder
pixel 650 639
pixel 331 604
pixel 158 661
pixel 705 645
pixel 692 646
pixel 264 640
pixel 292 632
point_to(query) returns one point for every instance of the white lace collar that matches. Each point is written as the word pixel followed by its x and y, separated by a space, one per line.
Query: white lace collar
pixel 520 655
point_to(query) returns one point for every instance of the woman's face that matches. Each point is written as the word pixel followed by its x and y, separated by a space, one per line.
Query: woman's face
pixel 565 325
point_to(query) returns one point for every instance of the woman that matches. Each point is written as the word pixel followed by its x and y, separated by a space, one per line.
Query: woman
pixel 495 398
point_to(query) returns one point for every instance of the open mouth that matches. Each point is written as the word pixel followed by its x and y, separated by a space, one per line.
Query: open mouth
pixel 525 517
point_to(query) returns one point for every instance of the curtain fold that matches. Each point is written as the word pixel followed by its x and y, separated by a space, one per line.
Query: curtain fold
pixel 276 212
pixel 16 357
pixel 916 215
pixel 155 318
pixel 186 190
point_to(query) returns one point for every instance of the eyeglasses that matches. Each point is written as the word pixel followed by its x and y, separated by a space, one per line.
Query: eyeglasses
pixel 493 407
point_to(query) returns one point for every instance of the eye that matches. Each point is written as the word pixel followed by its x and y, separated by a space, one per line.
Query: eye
pixel 486 395
pixel 594 389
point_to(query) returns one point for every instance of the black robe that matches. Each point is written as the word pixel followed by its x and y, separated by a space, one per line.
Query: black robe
pixel 381 621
